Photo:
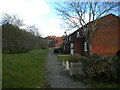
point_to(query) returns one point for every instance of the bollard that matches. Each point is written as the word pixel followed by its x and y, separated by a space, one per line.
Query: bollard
pixel 63 62
pixel 71 69
pixel 67 65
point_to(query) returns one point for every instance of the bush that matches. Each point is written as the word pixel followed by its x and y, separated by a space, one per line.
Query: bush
pixel 97 67
pixel 61 50
pixel 16 40
pixel 74 58
pixel 56 50
pixel 115 68
pixel 65 52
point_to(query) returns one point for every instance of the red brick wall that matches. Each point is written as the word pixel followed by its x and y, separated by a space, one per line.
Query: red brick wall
pixel 105 40
pixel 67 48
pixel 78 46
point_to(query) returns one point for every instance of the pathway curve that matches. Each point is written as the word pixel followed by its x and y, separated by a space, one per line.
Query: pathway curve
pixel 56 76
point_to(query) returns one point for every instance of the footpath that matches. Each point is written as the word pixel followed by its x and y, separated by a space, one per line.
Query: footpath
pixel 56 76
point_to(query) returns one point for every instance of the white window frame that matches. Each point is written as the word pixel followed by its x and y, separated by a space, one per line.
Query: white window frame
pixel 69 37
pixel 85 46
pixel 71 45
pixel 78 34
pixel 71 48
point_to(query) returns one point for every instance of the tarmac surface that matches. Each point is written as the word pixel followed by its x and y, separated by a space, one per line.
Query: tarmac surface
pixel 56 76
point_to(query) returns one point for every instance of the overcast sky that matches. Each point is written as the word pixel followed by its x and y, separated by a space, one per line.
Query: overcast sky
pixel 34 12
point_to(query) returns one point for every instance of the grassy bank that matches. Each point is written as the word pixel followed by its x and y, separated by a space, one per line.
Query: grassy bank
pixel 24 70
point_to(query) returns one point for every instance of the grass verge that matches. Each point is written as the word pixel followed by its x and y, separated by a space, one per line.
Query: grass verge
pixel 64 57
pixel 24 70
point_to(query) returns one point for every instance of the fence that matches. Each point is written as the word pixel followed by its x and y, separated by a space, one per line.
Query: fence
pixel 74 68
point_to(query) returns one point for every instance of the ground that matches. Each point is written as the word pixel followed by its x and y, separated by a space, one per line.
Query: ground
pixel 56 76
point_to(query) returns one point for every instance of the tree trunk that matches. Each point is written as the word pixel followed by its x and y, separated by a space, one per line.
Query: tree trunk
pixel 89 49
pixel 89 39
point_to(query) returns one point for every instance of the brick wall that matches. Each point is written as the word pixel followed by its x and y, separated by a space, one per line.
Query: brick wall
pixel 67 48
pixel 105 40
pixel 79 46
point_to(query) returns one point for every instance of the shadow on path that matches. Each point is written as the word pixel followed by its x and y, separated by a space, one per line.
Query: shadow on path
pixel 56 76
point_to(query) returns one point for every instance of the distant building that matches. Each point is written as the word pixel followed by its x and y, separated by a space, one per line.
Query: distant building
pixel 55 42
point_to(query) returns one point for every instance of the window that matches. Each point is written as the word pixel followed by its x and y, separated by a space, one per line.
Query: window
pixel 69 37
pixel 85 46
pixel 71 45
pixel 56 41
pixel 78 34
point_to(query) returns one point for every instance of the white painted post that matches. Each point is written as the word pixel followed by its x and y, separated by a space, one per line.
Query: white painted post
pixel 63 62
pixel 71 69
pixel 67 66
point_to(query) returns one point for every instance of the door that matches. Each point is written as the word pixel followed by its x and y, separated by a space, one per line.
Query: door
pixel 71 48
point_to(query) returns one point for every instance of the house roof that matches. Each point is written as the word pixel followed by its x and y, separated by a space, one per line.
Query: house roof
pixel 54 37
pixel 109 16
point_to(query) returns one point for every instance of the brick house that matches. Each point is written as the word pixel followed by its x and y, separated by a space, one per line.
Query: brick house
pixel 105 40
pixel 55 42
pixel 74 43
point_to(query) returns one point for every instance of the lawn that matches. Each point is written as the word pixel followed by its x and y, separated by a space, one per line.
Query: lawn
pixel 68 57
pixel 64 57
pixel 0 57
pixel 24 70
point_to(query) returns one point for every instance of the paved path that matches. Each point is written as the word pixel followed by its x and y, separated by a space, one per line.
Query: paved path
pixel 56 76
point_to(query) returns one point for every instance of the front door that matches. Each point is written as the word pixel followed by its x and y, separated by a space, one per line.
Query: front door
pixel 71 48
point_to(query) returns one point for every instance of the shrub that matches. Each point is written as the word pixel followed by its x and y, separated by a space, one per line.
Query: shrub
pixel 74 58
pixel 56 50
pixel 97 67
pixel 115 68
pixel 65 52
pixel 61 50
pixel 16 40
pixel 105 69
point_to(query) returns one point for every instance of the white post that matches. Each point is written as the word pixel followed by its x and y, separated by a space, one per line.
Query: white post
pixel 71 69
pixel 67 66
pixel 63 62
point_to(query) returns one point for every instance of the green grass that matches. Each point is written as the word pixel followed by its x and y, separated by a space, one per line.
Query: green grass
pixel 24 70
pixel 64 57
pixel 67 57
pixel 0 70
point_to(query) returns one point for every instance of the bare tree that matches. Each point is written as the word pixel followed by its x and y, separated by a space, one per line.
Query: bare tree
pixel 12 19
pixel 74 15
pixel 33 29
